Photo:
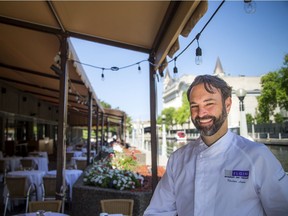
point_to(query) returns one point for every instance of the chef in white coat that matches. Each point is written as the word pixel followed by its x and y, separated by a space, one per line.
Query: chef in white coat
pixel 221 173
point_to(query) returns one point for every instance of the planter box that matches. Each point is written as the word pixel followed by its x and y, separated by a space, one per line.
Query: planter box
pixel 86 199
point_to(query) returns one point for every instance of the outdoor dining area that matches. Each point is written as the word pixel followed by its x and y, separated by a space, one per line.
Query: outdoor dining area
pixel 32 178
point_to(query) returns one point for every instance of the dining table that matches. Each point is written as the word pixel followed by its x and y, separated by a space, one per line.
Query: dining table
pixel 38 154
pixel 34 177
pixel 71 176
pixel 76 153
pixel 84 151
pixel 45 214
pixel 12 163
pixel 41 161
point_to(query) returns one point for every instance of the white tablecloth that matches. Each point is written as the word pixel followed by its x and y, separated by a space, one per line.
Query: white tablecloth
pixel 46 214
pixel 84 150
pixel 73 159
pixel 34 177
pixel 76 153
pixel 71 177
pixel 38 153
pixel 42 162
pixel 12 163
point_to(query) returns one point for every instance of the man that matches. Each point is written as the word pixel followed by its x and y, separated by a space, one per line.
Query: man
pixel 221 173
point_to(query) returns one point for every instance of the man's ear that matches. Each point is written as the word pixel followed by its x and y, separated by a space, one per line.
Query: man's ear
pixel 228 104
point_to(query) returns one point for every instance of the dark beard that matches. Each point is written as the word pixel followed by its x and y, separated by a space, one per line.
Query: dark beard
pixel 216 125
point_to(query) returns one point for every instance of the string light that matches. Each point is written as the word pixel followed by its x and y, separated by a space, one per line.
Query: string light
pixel 102 75
pixel 198 59
pixel 139 68
pixel 175 69
pixel 249 6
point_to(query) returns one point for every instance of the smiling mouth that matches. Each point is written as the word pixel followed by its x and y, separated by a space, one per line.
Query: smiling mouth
pixel 205 121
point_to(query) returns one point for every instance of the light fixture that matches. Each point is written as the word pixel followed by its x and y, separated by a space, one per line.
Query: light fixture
pixel 241 93
pixel 102 75
pixel 139 68
pixel 114 68
pixel 175 69
pixel 249 6
pixel 198 58
pixel 57 59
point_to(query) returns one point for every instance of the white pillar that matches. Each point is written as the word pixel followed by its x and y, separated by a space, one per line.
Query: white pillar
pixel 164 145
pixel 243 124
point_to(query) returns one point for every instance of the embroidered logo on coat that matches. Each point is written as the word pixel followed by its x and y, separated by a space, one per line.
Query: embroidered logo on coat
pixel 236 175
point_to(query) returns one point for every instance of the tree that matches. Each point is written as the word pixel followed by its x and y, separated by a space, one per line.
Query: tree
pixel 105 105
pixel 182 114
pixel 169 115
pixel 249 118
pixel 278 118
pixel 274 92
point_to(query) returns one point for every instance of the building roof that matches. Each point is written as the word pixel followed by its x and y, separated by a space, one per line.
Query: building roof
pixel 218 71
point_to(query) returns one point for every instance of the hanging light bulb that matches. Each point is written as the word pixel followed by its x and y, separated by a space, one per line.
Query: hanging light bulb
pixel 249 6
pixel 198 58
pixel 175 69
pixel 102 75
pixel 139 68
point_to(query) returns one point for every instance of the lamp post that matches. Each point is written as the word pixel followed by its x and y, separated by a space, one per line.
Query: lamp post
pixel 241 93
pixel 163 135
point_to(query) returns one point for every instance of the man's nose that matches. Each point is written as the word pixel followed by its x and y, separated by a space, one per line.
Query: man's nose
pixel 202 112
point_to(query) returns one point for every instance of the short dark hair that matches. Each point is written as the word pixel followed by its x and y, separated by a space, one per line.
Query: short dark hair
pixel 209 82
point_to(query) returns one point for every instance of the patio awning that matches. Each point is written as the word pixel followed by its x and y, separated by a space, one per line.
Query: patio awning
pixel 146 26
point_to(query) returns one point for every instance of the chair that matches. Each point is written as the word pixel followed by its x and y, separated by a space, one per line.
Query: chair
pixel 81 164
pixel 28 164
pixel 18 189
pixel 49 205
pixel 118 206
pixel 49 190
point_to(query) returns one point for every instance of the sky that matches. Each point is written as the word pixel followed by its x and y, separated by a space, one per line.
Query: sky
pixel 247 44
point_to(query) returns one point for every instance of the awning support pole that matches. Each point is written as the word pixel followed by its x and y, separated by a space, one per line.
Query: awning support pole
pixel 89 126
pixel 62 120
pixel 153 113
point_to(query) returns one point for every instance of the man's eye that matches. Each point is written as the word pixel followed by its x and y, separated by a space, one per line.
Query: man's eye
pixel 209 104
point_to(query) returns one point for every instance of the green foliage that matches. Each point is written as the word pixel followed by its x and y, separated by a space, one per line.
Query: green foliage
pixel 105 105
pixel 102 174
pixel 182 114
pixel 249 118
pixel 169 113
pixel 274 92
pixel 122 161
pixel 278 118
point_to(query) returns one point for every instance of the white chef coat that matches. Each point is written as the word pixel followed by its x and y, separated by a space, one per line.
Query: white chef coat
pixel 232 177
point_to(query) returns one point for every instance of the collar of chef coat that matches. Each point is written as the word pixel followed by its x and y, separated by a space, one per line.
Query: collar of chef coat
pixel 220 146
